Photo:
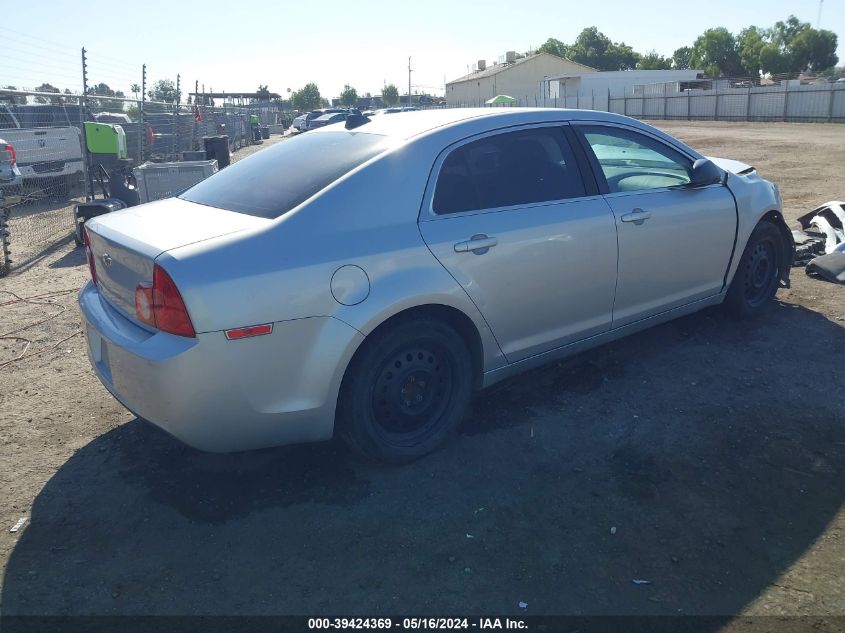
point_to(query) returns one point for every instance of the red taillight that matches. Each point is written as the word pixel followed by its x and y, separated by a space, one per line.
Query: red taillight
pixel 89 254
pixel 161 305
pixel 13 155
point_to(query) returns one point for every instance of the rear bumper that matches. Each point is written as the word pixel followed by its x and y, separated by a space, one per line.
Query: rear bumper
pixel 51 169
pixel 219 395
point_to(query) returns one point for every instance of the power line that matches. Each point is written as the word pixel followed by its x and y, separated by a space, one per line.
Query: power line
pixel 42 42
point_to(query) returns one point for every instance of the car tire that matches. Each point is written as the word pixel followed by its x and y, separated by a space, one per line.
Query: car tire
pixel 405 391
pixel 756 280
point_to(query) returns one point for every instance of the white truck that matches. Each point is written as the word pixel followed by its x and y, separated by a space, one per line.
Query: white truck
pixel 48 145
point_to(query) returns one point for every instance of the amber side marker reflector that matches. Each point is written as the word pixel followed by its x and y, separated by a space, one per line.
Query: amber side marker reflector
pixel 247 332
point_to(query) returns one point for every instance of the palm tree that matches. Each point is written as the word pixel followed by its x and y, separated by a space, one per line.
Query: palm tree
pixel 135 88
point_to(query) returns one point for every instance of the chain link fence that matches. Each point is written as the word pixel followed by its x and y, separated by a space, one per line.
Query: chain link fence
pixel 57 153
pixel 46 143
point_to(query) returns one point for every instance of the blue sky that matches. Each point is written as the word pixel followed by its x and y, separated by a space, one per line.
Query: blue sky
pixel 364 43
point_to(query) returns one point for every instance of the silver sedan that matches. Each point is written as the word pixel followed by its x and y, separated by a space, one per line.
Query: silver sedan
pixel 366 280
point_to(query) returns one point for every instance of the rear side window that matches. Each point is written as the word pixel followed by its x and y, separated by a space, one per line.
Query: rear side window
pixel 273 181
pixel 514 168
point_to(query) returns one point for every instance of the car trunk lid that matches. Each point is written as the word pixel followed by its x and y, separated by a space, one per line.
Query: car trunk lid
pixel 125 244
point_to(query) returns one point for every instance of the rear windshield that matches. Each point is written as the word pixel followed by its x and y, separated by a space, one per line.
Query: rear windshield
pixel 273 181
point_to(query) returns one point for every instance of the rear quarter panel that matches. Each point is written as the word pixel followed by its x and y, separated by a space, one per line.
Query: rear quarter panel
pixel 367 219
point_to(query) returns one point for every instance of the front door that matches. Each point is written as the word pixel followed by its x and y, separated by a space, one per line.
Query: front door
pixel 675 242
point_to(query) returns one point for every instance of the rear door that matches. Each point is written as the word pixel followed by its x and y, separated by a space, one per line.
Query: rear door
pixel 509 215
pixel 675 242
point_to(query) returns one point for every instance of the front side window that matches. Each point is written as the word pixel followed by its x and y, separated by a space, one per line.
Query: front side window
pixel 514 168
pixel 634 162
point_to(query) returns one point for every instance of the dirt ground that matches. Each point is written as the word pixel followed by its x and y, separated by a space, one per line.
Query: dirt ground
pixel 705 456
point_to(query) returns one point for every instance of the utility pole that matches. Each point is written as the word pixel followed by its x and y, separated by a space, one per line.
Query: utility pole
pixel 83 111
pixel 819 17
pixel 174 145
pixel 409 82
pixel 142 146
pixel 196 109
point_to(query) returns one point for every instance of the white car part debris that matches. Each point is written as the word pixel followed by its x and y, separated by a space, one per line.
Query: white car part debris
pixel 640 581
pixel 838 209
pixel 830 267
pixel 830 233
pixel 826 222
pixel 18 525
pixel 806 247
pixel 523 605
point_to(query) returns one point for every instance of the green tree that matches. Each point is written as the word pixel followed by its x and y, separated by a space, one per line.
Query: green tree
pixel 69 99
pixel 12 98
pixel 715 51
pixel 163 90
pixel 308 98
pixel 750 43
pixel 262 93
pixel 681 57
pixel 814 50
pixel 390 95
pixel 790 46
pixel 104 90
pixel 45 87
pixel 135 89
pixel 348 96
pixel 775 61
pixel 782 33
pixel 654 61
pixel 594 48
pixel 554 47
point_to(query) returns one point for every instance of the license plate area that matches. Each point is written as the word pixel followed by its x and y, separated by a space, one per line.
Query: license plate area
pixel 99 353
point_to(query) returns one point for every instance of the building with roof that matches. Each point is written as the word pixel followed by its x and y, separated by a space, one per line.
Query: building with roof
pixel 515 77
pixel 593 87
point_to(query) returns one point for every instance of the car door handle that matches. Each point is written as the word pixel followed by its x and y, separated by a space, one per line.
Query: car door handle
pixel 477 244
pixel 637 216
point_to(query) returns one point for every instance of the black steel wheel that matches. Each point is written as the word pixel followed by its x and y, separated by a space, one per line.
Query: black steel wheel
pixel 756 278
pixel 405 391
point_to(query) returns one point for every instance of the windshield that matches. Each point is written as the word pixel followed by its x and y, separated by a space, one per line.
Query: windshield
pixel 273 181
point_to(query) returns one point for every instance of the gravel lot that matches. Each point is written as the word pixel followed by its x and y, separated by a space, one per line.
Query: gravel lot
pixel 705 456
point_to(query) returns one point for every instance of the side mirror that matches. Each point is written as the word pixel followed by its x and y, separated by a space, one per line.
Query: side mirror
pixel 704 173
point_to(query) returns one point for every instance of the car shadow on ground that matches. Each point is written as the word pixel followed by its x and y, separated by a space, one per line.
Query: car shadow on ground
pixel 71 259
pixel 703 457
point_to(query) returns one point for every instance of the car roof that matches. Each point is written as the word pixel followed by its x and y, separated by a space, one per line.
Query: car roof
pixel 406 125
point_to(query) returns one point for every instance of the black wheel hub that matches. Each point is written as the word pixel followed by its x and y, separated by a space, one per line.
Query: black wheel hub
pixel 411 391
pixel 760 273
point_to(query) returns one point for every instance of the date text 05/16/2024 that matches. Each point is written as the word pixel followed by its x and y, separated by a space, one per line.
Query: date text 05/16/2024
pixel 414 624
